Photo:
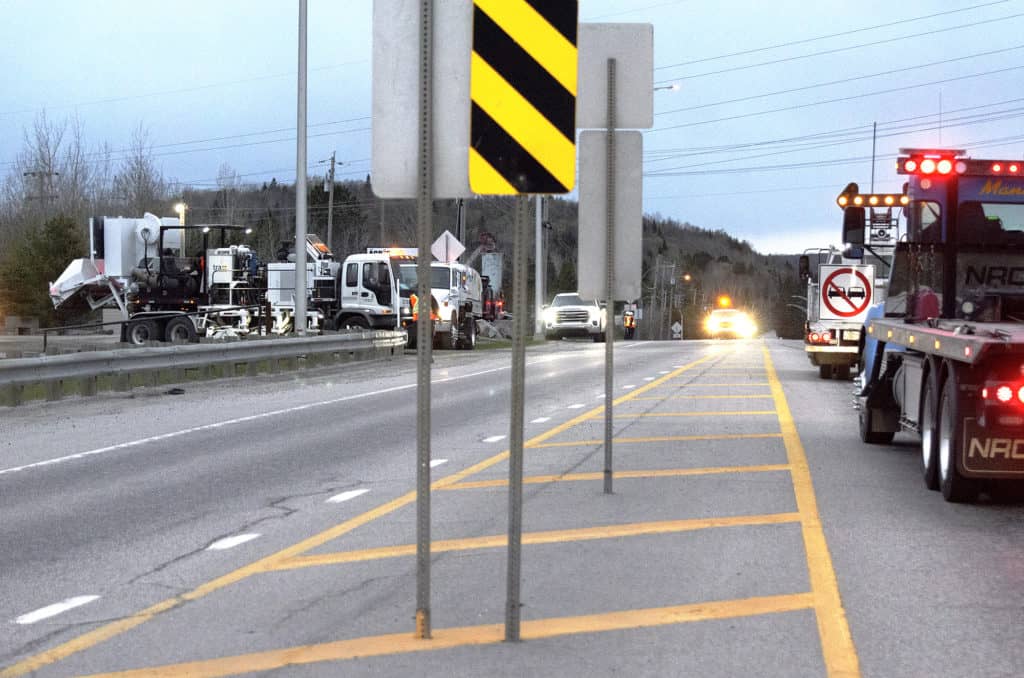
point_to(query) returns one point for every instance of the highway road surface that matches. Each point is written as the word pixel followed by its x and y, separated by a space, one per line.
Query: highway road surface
pixel 267 526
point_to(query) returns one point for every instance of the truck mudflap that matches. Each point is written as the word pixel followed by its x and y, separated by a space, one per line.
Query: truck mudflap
pixel 989 453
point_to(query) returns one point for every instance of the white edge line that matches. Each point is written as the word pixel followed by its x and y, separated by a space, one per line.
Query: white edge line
pixel 345 496
pixel 230 422
pixel 231 542
pixel 55 609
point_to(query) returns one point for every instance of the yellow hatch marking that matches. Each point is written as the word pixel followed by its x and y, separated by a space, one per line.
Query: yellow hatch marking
pixel 620 475
pixel 545 537
pixel 733 413
pixel 659 439
pixel 836 642
pixel 116 628
pixel 489 634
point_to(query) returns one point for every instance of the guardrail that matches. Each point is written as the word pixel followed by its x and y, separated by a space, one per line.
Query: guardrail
pixel 53 377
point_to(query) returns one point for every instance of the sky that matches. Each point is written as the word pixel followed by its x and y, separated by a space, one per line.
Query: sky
pixel 772 116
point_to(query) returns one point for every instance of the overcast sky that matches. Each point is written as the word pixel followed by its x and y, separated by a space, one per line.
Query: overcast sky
pixel 773 115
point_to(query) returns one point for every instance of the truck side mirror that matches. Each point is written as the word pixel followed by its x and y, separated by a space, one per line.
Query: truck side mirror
pixel 853 225
pixel 804 267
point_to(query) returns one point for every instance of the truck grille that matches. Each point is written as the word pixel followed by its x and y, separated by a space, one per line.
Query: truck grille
pixel 573 316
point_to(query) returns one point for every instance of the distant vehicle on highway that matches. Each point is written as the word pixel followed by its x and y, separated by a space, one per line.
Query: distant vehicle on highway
pixel 729 323
pixel 569 315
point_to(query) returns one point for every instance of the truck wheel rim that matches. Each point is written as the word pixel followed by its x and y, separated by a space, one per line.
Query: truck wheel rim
pixel 927 429
pixel 945 440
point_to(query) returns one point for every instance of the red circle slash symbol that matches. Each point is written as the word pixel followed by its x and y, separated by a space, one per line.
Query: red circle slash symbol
pixel 845 306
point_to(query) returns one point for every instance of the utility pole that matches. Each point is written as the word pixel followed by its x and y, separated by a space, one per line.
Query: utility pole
pixel 300 181
pixel 460 221
pixel 45 193
pixel 654 297
pixel 330 202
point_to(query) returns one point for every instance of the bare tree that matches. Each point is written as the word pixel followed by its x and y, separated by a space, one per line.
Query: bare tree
pixel 138 180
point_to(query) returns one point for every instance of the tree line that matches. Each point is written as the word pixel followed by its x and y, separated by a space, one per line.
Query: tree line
pixel 56 182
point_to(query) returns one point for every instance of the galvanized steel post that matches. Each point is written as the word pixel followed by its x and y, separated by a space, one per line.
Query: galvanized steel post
pixel 300 182
pixel 515 465
pixel 609 289
pixel 424 210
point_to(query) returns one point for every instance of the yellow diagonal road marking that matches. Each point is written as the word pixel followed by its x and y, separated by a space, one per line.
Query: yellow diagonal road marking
pixel 116 628
pixel 541 40
pixel 658 439
pixel 546 537
pixel 620 475
pixel 836 643
pixel 489 634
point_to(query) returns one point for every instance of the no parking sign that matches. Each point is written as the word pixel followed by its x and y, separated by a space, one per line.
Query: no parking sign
pixel 846 291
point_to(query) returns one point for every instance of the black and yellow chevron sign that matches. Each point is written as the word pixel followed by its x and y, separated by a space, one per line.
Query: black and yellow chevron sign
pixel 523 91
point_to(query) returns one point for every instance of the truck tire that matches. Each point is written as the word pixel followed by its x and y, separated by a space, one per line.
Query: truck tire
pixel 841 372
pixel 450 339
pixel 180 331
pixel 467 340
pixel 955 488
pixel 928 422
pixel 142 331
pixel 356 322
pixel 825 371
pixel 867 432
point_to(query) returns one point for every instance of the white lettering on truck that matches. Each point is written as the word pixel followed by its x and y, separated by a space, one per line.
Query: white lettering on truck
pixel 990 448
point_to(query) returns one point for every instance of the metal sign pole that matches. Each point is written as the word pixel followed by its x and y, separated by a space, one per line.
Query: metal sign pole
pixel 515 464
pixel 424 209
pixel 299 320
pixel 609 263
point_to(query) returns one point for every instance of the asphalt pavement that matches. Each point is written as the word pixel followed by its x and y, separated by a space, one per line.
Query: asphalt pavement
pixel 268 526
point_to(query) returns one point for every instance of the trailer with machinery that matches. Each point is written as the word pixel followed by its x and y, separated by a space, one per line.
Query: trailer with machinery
pixel 955 312
pixel 843 285
pixel 140 266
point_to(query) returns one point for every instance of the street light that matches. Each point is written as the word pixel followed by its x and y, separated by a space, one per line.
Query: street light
pixel 180 209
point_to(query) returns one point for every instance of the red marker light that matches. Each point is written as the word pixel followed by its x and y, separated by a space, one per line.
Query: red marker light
pixel 984 393
pixel 1004 394
pixel 961 166
pixel 1014 168
pixel 910 166
pixel 944 166
pixel 927 166
pixel 997 168
pixel 814 337
pixel 1020 394
pixel 826 337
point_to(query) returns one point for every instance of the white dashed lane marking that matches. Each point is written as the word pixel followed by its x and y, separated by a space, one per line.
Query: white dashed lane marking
pixel 437 462
pixel 493 439
pixel 55 609
pixel 540 420
pixel 577 406
pixel 231 542
pixel 345 496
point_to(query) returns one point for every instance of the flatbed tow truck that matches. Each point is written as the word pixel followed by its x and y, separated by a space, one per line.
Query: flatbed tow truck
pixel 947 356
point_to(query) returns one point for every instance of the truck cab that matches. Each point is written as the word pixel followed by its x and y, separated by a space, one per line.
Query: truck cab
pixel 956 305
pixel 457 301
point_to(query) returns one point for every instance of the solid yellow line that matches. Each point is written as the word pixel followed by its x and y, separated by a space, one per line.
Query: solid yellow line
pixel 730 413
pixel 545 537
pixel 524 123
pixel 488 634
pixel 113 629
pixel 485 178
pixel 659 439
pixel 619 475
pixel 537 37
pixel 703 397
pixel 836 642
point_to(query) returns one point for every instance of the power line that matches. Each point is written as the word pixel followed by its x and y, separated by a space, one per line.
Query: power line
pixel 836 50
pixel 833 101
pixel 842 81
pixel 832 35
